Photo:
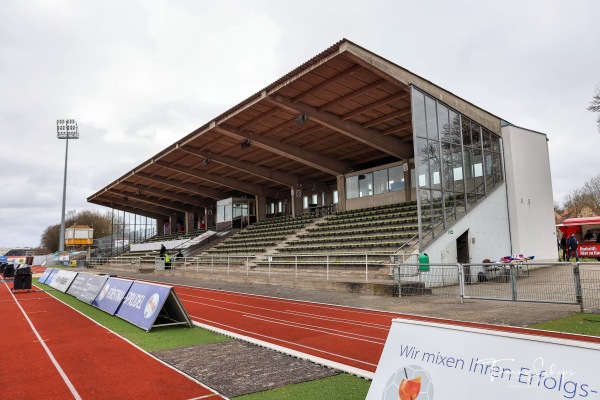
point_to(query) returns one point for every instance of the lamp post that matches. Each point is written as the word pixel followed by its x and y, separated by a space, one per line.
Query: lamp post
pixel 65 129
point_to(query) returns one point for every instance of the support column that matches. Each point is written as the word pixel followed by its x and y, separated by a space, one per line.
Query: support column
pixel 341 188
pixel 296 201
pixel 261 207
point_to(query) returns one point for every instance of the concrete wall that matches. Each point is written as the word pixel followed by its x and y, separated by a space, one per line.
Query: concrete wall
pixel 489 232
pixel 529 190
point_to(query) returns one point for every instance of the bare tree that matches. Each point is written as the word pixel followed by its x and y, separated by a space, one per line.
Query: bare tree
pixel 591 190
pixel 100 222
pixel 595 105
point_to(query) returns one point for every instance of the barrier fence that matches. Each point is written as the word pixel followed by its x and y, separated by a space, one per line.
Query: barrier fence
pixel 562 283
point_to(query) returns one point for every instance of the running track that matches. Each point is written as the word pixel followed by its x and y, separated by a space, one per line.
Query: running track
pixel 50 350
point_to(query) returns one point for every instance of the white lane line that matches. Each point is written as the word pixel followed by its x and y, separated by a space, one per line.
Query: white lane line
pixel 50 355
pixel 229 331
pixel 315 316
pixel 317 328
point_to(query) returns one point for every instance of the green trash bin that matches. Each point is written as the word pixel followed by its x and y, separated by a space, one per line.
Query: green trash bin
pixel 423 262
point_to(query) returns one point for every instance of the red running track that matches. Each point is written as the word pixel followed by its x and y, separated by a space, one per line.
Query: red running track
pixel 49 350
pixel 341 335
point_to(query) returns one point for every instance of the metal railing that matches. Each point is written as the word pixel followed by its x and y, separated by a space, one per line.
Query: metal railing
pixel 561 283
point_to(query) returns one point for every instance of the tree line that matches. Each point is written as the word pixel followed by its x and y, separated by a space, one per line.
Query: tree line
pixel 100 222
pixel 583 201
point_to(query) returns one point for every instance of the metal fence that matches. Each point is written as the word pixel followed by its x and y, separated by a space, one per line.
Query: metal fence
pixel 563 283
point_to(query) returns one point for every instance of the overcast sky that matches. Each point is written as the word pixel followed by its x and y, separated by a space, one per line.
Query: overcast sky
pixel 139 75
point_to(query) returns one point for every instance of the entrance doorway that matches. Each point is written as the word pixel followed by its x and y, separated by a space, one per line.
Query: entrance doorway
pixel 462 255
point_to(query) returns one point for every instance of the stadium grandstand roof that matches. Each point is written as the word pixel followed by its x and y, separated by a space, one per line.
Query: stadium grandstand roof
pixel 344 110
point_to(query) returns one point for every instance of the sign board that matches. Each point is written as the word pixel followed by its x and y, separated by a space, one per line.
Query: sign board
pixel 52 275
pixel 62 280
pixel 77 284
pixel 45 275
pixel 147 305
pixel 112 294
pixel 589 250
pixel 475 363
pixel 91 288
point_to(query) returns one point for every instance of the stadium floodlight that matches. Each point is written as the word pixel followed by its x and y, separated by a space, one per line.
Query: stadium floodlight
pixel 65 129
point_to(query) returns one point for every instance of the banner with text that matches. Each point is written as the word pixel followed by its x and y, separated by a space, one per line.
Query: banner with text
pixel 142 303
pixel 112 294
pixel 426 360
pixel 63 280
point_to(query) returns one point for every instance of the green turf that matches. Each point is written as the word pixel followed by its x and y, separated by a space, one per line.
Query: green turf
pixel 343 386
pixel 583 324
pixel 158 338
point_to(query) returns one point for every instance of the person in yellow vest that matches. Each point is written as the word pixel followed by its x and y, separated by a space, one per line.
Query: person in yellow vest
pixel 167 260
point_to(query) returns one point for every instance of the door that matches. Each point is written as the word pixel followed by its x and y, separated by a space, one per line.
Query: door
pixel 462 254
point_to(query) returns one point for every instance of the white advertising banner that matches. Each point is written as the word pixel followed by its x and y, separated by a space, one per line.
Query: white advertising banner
pixel 426 361
pixel 63 280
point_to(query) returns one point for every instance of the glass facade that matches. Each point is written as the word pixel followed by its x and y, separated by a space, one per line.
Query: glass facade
pixel 376 182
pixel 458 162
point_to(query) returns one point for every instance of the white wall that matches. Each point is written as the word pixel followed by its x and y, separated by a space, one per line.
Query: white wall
pixel 529 191
pixel 487 223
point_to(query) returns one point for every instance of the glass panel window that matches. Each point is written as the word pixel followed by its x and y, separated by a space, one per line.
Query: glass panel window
pixel 365 184
pixel 447 177
pixel 423 162
pixel 497 168
pixel 380 181
pixel 466 131
pixel 457 168
pixel 335 197
pixel 352 187
pixel 280 206
pixel 396 178
pixel 431 112
pixel 418 110
pixel 487 141
pixel 495 143
pixel 305 202
pixel 455 127
pixel 315 198
pixel 443 123
pixel 475 135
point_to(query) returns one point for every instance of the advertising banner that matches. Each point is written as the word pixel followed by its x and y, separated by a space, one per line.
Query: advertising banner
pixel 63 280
pixel 428 360
pixel 50 278
pixel 91 288
pixel 45 275
pixel 142 303
pixel 77 284
pixel 112 294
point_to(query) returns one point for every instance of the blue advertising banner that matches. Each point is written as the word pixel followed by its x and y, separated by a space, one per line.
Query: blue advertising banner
pixel 78 283
pixel 51 276
pixel 143 303
pixel 91 288
pixel 3 259
pixel 112 294
pixel 45 275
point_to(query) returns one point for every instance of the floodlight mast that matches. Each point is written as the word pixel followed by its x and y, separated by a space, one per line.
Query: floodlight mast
pixel 65 129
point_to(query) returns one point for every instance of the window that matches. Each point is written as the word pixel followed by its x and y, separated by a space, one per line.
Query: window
pixel 365 184
pixel 352 187
pixel 380 181
pixel 335 197
pixel 396 178
pixel 305 202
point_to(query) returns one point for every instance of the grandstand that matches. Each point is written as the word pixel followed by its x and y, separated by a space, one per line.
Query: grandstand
pixel 349 161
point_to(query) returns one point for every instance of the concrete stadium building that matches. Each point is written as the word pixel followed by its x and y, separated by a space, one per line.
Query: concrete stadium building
pixel 350 130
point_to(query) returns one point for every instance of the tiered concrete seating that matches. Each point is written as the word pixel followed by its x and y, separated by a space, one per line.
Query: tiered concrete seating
pixel 256 238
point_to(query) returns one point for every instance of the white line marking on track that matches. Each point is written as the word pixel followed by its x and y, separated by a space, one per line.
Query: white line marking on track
pixel 291 323
pixel 50 355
